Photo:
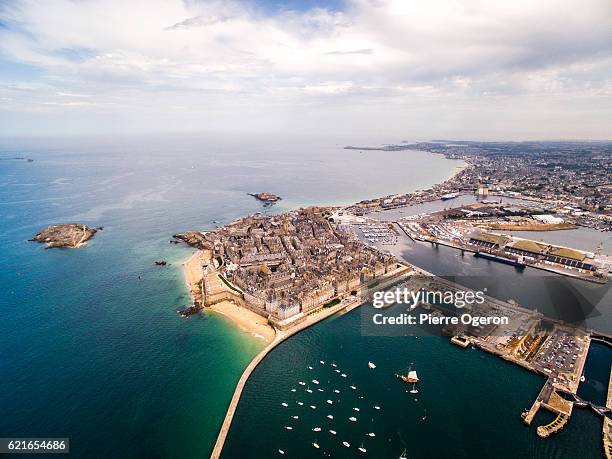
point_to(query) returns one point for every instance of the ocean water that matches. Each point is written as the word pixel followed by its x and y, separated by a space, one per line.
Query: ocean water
pixel 91 346
pixel 469 402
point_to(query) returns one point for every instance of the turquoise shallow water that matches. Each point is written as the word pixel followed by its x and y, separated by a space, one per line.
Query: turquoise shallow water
pixel 90 351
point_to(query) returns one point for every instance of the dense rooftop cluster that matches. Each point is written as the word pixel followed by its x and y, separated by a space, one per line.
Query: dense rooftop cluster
pixel 294 262
pixel 574 176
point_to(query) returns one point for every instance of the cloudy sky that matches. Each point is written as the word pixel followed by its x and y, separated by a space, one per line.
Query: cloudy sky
pixel 417 69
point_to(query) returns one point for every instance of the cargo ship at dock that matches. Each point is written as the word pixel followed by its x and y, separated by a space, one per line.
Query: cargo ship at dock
pixel 500 259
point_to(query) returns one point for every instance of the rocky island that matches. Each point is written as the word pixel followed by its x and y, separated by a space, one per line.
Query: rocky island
pixel 71 235
pixel 266 197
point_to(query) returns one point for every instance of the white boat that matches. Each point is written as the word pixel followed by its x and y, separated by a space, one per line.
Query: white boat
pixel 353 419
pixel 315 444
pixel 330 402
pixel 309 367
pixel 295 417
pixel 309 391
pixel 321 362
pixel 353 387
pixel 316 429
pixel 313 407
pixel 337 371
pixel 346 443
pixel 320 390
pixel 288 427
pixel 333 432
pixel 362 449
pixel 343 375
pixel 280 451
pixel 293 390
pixel 414 389
pixel 302 383
pixel 333 365
pixel 403 456
pixel 284 404
pixel 371 434
pixel 336 391
pixel 329 416
pixel 314 381
pixel 371 365
pixel 300 403
pixel 582 378
pixel 376 407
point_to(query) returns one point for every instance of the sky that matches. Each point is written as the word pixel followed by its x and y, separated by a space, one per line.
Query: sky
pixel 409 69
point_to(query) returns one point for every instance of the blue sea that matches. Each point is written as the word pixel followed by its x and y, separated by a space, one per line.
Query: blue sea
pixel 92 348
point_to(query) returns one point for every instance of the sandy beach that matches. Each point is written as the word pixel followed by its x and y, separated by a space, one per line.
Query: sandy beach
pixel 246 320
pixel 458 171
pixel 193 267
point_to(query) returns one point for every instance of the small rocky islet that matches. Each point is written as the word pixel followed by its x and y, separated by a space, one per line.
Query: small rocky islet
pixel 266 197
pixel 69 235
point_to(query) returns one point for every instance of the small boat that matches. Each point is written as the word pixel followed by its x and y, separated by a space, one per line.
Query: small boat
pixel 362 449
pixel 582 378
pixel 337 371
pixel 316 445
pixel 302 383
pixel 336 391
pixel 371 434
pixel 313 407
pixel 333 365
pixel 284 404
pixel 295 417
pixel 316 429
pixel 356 409
pixel 414 389
pixel 288 427
pixel 346 443
pixel 314 381
pixel 353 419
pixel 280 451
pixel 371 365
pixel 329 416
pixel 403 456
pixel 293 390
pixel 333 432
pixel 309 391
pixel 343 375
pixel 320 390
pixel 353 387
pixel 376 407
pixel 309 367
pixel 330 402
pixel 321 362
pixel 411 377
pixel 300 403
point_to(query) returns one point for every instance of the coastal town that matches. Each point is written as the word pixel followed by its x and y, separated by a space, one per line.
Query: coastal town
pixel 571 179
pixel 275 275
pixel 287 266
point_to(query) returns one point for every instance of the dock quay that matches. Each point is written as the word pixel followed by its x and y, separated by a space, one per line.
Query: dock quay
pixel 607 423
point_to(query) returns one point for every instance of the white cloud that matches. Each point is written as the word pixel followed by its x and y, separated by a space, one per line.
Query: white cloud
pixel 224 64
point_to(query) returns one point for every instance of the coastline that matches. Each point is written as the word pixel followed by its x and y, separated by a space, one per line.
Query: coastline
pixel 246 320
pixel 458 170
